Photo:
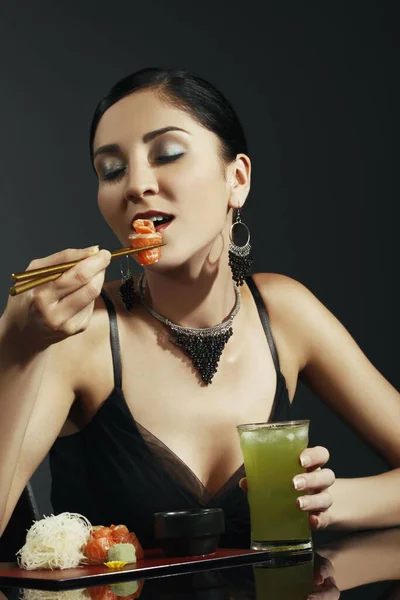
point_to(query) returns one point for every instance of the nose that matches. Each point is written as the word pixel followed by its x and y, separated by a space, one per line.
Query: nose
pixel 141 182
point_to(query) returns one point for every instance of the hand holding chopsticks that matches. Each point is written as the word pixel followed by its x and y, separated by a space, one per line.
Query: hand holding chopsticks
pixel 27 280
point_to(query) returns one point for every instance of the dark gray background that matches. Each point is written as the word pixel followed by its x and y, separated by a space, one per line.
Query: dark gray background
pixel 316 86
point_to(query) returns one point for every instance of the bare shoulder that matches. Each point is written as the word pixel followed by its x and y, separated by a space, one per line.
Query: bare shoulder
pixel 278 288
pixel 293 306
pixel 332 364
pixel 290 306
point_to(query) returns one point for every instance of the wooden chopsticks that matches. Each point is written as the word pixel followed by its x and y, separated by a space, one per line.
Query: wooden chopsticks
pixel 27 280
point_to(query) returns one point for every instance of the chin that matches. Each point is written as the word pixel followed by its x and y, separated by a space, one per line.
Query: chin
pixel 164 266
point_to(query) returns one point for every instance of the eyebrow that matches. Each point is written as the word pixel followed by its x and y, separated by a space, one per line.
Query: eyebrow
pixel 148 137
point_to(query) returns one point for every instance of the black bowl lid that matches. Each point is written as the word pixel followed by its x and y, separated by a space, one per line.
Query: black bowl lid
pixel 189 523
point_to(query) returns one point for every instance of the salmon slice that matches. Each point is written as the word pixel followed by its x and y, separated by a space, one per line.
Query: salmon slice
pixel 145 235
pixel 144 226
pixel 120 533
pixel 101 532
pixel 96 549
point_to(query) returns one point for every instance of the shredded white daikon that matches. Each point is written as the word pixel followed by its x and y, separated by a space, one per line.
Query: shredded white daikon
pixel 45 595
pixel 55 542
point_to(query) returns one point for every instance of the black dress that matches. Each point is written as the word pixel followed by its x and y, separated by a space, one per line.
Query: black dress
pixel 115 471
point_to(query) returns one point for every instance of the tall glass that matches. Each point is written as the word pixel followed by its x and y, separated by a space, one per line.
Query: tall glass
pixel 271 456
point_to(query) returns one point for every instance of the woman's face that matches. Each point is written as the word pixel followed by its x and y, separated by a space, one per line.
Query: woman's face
pixel 150 156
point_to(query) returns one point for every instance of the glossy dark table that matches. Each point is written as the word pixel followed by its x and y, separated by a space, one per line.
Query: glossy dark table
pixel 358 565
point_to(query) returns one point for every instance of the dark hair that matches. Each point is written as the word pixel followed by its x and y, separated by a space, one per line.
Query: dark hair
pixel 195 95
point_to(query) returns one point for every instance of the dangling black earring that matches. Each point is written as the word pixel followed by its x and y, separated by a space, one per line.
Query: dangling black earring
pixel 127 288
pixel 240 259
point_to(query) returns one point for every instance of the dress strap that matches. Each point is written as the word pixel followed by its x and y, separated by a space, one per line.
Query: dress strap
pixel 264 320
pixel 114 339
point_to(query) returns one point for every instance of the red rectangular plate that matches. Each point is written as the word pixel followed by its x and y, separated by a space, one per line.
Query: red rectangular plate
pixel 155 564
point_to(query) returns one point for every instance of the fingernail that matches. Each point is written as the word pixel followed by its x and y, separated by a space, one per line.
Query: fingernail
pixel 303 502
pixel 305 461
pixel 94 249
pixel 299 483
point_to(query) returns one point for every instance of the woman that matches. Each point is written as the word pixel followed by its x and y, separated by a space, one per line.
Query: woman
pixel 146 423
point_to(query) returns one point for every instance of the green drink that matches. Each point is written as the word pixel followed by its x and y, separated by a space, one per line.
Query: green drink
pixel 271 456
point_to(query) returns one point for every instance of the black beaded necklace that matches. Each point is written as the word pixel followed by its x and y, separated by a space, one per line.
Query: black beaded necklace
pixel 204 345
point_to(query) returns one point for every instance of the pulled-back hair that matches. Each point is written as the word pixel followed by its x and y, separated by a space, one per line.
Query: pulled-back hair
pixel 199 98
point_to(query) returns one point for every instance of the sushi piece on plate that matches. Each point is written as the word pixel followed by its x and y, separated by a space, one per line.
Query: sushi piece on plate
pixel 103 538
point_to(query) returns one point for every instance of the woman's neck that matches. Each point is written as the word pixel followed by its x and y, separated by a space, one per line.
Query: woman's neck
pixel 201 300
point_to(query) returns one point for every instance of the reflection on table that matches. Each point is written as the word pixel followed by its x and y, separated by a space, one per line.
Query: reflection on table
pixel 337 568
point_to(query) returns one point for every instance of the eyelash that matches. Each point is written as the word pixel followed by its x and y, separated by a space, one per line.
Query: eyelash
pixel 163 159
pixel 113 175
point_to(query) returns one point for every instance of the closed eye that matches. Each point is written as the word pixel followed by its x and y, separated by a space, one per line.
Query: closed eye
pixel 165 158
pixel 114 174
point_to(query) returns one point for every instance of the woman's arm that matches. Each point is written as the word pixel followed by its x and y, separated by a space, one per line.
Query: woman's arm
pixel 333 366
pixel 34 403
pixel 367 502
pixel 37 368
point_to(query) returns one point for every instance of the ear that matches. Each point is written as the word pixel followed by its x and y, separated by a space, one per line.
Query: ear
pixel 238 177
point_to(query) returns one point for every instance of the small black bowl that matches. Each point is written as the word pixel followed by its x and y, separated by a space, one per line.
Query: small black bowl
pixel 192 532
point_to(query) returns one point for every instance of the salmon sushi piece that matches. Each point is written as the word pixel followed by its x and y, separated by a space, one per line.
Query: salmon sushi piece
pixel 100 531
pixel 103 538
pixel 96 550
pixel 119 533
pixel 98 544
pixel 145 235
